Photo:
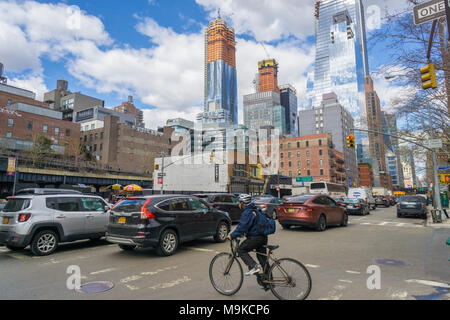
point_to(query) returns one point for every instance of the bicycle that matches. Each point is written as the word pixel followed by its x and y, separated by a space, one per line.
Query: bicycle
pixel 226 274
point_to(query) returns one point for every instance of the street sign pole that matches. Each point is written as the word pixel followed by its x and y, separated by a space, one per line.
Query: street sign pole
pixel 447 13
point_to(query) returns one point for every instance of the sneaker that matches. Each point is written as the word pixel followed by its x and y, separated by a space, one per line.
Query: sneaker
pixel 255 269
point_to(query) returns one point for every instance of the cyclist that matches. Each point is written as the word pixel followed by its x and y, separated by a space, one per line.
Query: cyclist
pixel 254 241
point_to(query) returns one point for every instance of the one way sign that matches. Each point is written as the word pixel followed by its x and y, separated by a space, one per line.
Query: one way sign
pixel 429 11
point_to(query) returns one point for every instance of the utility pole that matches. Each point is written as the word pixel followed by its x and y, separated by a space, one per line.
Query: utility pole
pixel 162 172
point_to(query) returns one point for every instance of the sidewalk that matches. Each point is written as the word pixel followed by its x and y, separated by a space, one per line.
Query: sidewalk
pixel 429 222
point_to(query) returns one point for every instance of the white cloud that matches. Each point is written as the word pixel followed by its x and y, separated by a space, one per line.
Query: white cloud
pixel 266 20
pixel 33 83
pixel 155 118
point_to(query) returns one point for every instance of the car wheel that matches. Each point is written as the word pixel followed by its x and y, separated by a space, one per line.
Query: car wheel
pixel 125 247
pixel 321 223
pixel 344 220
pixel 222 232
pixel 44 243
pixel 286 226
pixel 168 243
pixel 274 215
pixel 399 215
pixel 14 248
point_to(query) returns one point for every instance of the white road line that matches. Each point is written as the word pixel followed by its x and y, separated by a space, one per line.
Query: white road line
pixel 312 266
pixel 429 283
pixel 103 271
pixel 400 225
pixel 171 283
pixel 346 281
pixel 383 223
pixel 353 272
pixel 366 223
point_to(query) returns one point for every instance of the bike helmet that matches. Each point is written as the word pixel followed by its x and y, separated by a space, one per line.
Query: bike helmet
pixel 245 199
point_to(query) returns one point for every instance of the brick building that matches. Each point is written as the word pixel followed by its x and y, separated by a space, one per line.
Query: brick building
pixel 10 95
pixel 129 108
pixel 126 148
pixel 366 175
pixel 21 124
pixel 312 156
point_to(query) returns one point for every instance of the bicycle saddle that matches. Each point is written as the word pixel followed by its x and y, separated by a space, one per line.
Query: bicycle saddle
pixel 271 248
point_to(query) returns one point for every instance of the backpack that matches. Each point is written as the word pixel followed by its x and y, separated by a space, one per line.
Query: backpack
pixel 265 225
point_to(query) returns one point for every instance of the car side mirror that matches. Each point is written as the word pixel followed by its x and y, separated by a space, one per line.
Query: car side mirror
pixel 106 208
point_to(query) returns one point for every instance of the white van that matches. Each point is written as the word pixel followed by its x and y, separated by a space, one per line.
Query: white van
pixel 363 193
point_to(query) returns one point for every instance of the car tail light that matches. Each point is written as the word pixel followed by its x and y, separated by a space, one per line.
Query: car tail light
pixel 264 206
pixel 145 213
pixel 423 205
pixel 23 217
pixel 357 205
pixel 307 209
pixel 384 199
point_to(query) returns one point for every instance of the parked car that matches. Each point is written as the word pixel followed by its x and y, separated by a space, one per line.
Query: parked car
pixel 224 202
pixel 268 205
pixel 164 222
pixel 356 206
pixel 311 210
pixel 43 221
pixel 412 206
pixel 339 200
pixel 382 201
pixel 363 193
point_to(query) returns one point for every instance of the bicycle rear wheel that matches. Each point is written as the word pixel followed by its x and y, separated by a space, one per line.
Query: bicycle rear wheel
pixel 226 283
pixel 289 280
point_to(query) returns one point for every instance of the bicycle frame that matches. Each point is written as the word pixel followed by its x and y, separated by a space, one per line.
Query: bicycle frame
pixel 286 281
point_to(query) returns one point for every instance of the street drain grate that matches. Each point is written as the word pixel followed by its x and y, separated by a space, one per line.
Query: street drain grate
pixel 96 287
pixel 391 262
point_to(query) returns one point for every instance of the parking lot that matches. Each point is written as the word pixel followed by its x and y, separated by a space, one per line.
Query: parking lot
pixel 412 258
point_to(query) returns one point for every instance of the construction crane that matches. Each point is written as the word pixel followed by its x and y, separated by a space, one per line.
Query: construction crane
pixel 265 49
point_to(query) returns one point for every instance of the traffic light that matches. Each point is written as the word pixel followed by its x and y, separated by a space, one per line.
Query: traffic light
pixel 351 141
pixel 444 178
pixel 428 76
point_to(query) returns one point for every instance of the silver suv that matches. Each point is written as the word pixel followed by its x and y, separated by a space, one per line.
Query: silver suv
pixel 44 221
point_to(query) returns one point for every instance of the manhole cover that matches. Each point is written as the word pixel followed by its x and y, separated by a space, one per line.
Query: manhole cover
pixel 391 262
pixel 96 287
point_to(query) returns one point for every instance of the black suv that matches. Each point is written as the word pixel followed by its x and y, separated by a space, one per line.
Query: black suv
pixel 164 221
pixel 225 202
pixel 382 201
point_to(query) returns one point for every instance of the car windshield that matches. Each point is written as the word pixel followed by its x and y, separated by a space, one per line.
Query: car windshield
pixel 411 199
pixel 349 200
pixel 263 200
pixel 129 205
pixel 299 199
pixel 15 205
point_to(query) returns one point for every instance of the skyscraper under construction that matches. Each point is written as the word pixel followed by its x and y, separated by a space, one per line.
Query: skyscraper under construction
pixel 220 74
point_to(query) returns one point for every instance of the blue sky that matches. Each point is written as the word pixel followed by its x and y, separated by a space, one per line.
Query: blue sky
pixel 153 49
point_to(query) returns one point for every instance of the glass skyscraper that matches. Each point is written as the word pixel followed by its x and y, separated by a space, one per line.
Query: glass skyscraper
pixel 220 74
pixel 341 62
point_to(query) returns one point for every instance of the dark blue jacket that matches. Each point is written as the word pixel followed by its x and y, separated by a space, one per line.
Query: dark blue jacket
pixel 247 223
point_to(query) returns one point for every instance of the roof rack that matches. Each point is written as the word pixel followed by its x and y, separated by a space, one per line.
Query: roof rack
pixel 45 191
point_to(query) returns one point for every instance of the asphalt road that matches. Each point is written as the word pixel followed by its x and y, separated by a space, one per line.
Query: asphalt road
pixel 413 260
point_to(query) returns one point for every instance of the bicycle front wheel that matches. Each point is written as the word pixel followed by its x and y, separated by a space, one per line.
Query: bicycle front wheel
pixel 289 280
pixel 226 274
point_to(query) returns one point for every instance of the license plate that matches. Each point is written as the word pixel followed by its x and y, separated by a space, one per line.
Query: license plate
pixel 5 220
pixel 122 220
pixel 350 207
pixel 291 210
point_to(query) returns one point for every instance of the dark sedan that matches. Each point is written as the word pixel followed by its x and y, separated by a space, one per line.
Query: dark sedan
pixel 412 206
pixel 356 206
pixel 225 202
pixel 382 201
pixel 163 222
pixel 268 205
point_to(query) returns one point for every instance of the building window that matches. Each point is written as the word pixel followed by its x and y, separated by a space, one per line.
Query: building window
pixel 96 136
pixel 307 143
pixel 45 128
pixel 101 146
pixel 9 102
pixel 10 123
pixel 290 164
pixel 30 125
pixel 298 144
pixel 290 173
pixel 101 135
pixel 56 131
pixel 282 155
pixel 321 162
pixel 308 173
pixel 95 147
pixel 289 155
pixel 298 154
pixel 321 172
pixel 308 163
pixel 9 134
pixel 298 164
pixel 320 152
pixel 281 146
pixel 85 138
pixel 299 173
pixel 289 145
pixel 320 142
pixel 307 154
pixel 67 132
pixel 282 164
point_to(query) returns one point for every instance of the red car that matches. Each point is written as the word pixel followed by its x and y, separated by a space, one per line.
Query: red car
pixel 311 210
